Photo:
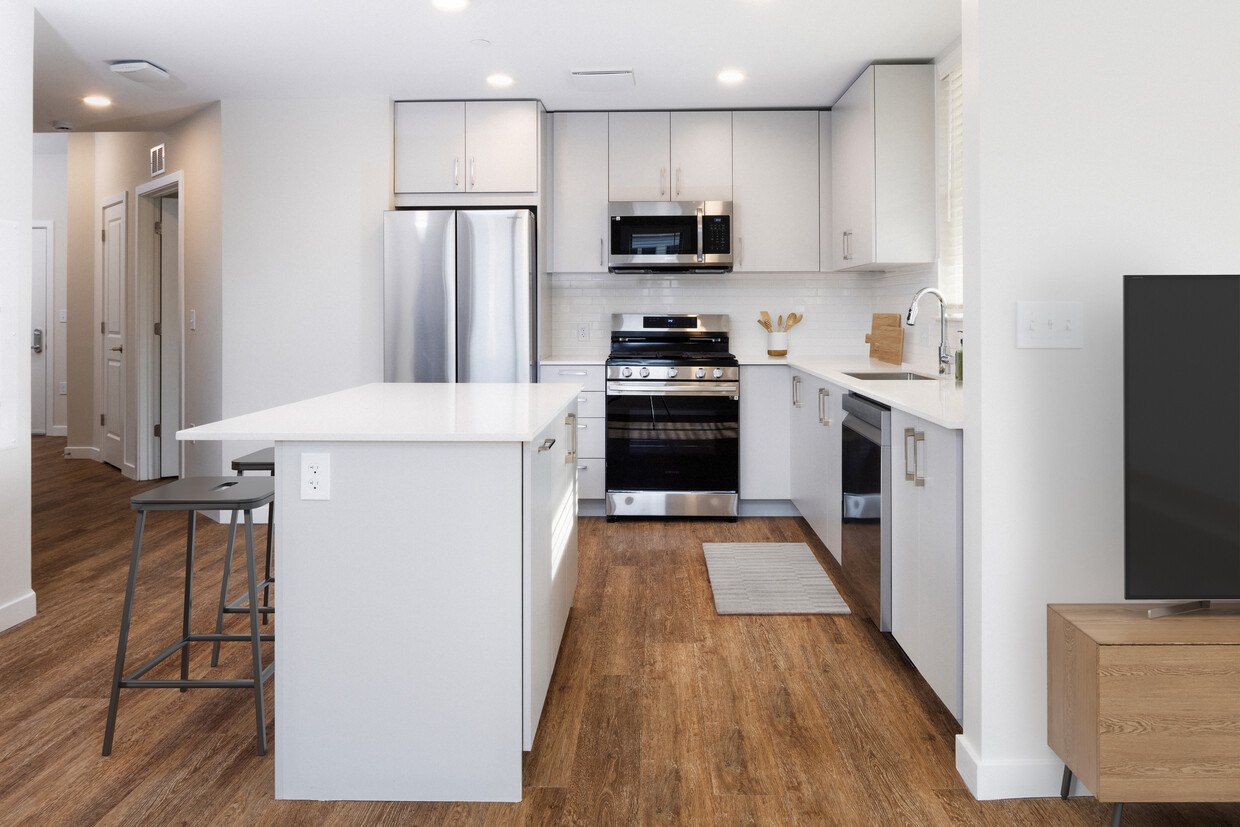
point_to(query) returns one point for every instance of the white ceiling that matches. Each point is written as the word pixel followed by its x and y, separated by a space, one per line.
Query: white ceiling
pixel 795 53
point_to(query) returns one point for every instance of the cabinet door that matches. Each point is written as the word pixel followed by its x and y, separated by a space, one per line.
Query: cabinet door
pixel 852 174
pixel 701 156
pixel 775 191
pixel 906 625
pixel 637 156
pixel 579 219
pixel 501 144
pixel 809 448
pixel 832 459
pixel 764 444
pixel 430 146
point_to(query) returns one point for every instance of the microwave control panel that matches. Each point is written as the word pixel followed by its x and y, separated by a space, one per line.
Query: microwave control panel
pixel 716 233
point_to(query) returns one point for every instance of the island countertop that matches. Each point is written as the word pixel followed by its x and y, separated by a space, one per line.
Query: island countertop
pixel 403 412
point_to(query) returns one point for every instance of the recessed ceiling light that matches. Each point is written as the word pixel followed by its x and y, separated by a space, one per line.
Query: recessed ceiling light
pixel 731 76
pixel 500 80
pixel 450 5
pixel 96 100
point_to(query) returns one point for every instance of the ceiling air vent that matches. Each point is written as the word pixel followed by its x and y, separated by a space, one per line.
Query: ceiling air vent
pixel 141 71
pixel 157 160
pixel 603 80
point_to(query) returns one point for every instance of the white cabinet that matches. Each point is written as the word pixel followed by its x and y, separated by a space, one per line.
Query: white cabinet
pixel 579 204
pixel 466 146
pixel 927 557
pixel 591 423
pixel 550 566
pixel 670 156
pixel 882 169
pixel 764 443
pixel 775 191
pixel 815 454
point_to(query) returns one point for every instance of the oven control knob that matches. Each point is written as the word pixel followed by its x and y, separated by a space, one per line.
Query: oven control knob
pixel 718 373
pixel 671 372
pixel 644 372
pixel 626 372
pixel 701 373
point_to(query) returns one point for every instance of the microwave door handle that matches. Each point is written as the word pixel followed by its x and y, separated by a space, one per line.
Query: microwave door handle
pixel 701 255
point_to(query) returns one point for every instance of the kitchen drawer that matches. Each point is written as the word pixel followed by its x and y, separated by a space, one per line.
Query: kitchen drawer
pixel 591 404
pixel 591 437
pixel 592 376
pixel 590 478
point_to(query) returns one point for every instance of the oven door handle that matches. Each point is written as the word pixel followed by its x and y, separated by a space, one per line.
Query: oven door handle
pixel 731 389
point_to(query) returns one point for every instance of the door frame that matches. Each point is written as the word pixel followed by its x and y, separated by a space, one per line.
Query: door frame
pixel 49 338
pixel 101 205
pixel 147 276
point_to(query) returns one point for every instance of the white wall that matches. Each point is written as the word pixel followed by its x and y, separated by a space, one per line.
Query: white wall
pixel 1099 141
pixel 51 203
pixel 17 600
pixel 305 184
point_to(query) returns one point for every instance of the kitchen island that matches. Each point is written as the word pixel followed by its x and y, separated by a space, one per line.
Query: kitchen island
pixel 425 575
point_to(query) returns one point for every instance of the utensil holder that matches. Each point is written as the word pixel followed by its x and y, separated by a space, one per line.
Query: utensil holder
pixel 777 344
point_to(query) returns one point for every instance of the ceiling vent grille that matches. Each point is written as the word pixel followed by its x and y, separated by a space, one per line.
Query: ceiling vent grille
pixel 603 80
pixel 157 160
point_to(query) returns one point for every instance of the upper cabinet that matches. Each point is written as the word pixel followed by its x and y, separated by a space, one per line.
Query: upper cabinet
pixel 670 156
pixel 775 191
pixel 466 146
pixel 882 170
pixel 579 211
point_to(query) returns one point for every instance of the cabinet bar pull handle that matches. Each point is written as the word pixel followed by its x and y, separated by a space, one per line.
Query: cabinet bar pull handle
pixel 471 172
pixel 583 467
pixel 824 406
pixel 662 181
pixel 573 373
pixel 677 179
pixel 571 455
pixel 847 245
pixel 740 251
pixel 910 458
pixel 796 391
pixel 456 171
pixel 546 446
pixel 600 253
pixel 919 459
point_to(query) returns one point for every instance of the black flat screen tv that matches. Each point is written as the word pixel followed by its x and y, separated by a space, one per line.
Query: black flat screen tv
pixel 1181 437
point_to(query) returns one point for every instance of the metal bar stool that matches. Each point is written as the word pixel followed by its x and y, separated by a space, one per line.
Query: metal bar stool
pixel 263 459
pixel 192 495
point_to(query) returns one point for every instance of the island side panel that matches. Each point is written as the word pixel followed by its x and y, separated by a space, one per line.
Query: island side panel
pixel 398 625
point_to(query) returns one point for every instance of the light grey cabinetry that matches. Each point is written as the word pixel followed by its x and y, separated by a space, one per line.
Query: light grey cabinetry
pixel 591 423
pixel 815 454
pixel 579 205
pixel 927 558
pixel 670 156
pixel 466 146
pixel 775 191
pixel 882 170
pixel 764 437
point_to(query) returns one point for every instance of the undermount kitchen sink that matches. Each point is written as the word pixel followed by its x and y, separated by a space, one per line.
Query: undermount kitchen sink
pixel 901 375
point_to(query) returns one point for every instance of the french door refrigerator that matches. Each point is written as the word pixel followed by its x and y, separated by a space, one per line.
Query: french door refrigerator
pixel 459 296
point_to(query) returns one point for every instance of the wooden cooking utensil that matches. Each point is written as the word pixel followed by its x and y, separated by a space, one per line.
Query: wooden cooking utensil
pixel 766 318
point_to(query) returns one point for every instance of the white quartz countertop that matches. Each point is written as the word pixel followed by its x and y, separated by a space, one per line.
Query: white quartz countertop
pixel 940 401
pixel 403 412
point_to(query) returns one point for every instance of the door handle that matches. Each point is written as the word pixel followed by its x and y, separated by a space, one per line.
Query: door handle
pixel 919 459
pixel 570 422
pixel 119 348
pixel 796 391
pixel 678 181
pixel 546 446
pixel 471 173
pixel 600 253
pixel 910 455
pixel 824 406
pixel 662 181
pixel 36 342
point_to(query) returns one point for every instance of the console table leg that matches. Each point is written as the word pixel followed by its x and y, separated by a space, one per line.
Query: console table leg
pixel 1117 813
pixel 1067 782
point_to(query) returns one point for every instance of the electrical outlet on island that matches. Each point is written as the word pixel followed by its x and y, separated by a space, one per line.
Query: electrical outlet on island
pixel 316 476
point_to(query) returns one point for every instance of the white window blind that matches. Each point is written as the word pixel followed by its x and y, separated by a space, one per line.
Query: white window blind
pixel 951 184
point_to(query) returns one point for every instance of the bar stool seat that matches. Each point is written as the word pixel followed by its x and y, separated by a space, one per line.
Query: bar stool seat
pixel 264 459
pixel 235 494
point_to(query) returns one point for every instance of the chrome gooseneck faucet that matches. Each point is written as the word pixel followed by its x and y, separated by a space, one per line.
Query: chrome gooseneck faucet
pixel 945 357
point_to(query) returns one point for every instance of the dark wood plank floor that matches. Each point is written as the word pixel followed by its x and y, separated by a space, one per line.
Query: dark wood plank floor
pixel 660 711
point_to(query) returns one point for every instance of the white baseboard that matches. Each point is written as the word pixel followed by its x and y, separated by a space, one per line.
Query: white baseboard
pixel 767 508
pixel 17 611
pixel 83 452
pixel 59 430
pixel 1030 778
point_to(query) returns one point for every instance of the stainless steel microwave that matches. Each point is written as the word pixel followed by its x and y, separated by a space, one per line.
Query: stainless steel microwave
pixel 670 237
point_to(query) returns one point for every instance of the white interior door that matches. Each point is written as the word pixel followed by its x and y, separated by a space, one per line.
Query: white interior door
pixel 113 423
pixel 169 338
pixel 40 365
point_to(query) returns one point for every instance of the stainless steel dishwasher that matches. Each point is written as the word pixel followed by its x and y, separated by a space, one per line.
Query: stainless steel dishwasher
pixel 866 536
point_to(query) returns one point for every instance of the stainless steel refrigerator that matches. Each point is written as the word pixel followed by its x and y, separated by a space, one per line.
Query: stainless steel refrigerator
pixel 459 296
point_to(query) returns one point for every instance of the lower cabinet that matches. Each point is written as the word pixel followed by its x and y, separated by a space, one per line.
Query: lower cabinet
pixel 591 423
pixel 815 454
pixel 927 552
pixel 764 443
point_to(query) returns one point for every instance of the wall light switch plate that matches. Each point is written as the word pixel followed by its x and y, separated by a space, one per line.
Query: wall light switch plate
pixel 1044 324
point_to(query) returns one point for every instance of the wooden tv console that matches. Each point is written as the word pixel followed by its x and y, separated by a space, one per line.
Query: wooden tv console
pixel 1145 710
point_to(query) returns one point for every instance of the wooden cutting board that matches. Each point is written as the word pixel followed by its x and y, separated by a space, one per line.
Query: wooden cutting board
pixel 886 338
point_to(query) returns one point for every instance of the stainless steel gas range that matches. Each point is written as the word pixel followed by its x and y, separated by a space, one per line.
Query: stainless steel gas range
pixel 673 417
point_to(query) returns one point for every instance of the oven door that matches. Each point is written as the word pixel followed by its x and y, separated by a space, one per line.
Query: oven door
pixel 674 441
